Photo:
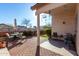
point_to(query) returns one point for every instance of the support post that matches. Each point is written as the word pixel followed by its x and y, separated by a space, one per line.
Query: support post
pixel 38 36
pixel 51 23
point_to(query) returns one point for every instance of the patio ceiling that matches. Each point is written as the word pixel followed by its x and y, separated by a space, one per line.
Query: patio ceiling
pixel 48 7
pixel 68 9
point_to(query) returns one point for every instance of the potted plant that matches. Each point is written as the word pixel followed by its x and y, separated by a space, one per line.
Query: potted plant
pixel 2 44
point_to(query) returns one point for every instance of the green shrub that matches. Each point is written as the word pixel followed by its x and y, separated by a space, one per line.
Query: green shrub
pixel 28 33
pixel 24 33
pixel 42 32
pixel 34 33
pixel 48 32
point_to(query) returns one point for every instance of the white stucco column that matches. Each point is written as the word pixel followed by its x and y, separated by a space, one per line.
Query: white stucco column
pixel 77 38
pixel 38 30
pixel 51 23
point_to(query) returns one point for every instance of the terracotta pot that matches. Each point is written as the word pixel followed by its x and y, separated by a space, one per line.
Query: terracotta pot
pixel 2 44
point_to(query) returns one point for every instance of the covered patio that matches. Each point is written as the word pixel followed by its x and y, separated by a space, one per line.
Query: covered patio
pixel 64 20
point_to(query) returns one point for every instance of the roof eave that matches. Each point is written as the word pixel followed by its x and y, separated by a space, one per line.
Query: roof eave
pixel 38 6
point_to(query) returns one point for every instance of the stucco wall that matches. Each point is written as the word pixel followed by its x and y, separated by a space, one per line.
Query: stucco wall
pixel 59 15
pixel 77 38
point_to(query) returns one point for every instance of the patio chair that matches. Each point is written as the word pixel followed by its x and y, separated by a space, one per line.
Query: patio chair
pixel 9 36
pixel 68 40
pixel 21 37
pixel 55 35
pixel 7 39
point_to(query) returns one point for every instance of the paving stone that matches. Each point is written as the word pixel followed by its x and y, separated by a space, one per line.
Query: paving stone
pixel 28 48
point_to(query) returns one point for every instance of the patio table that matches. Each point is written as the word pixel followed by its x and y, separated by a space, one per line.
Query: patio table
pixel 14 34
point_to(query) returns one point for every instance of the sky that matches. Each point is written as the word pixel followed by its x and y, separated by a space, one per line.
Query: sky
pixel 10 11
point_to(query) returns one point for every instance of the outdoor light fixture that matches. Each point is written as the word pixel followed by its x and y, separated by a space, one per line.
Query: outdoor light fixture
pixel 64 22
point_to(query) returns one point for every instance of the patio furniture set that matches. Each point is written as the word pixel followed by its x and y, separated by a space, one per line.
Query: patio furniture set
pixel 68 38
pixel 15 38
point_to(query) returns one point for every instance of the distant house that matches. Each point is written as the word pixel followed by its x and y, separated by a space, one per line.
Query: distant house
pixel 5 28
pixel 21 28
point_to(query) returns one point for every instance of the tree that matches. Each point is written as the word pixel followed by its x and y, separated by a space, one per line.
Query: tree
pixel 26 22
pixel 47 27
pixel 46 19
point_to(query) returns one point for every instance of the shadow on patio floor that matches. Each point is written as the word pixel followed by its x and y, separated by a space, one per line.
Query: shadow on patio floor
pixel 61 44
pixel 14 45
pixel 37 51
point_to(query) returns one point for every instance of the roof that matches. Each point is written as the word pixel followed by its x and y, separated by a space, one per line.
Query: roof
pixel 38 6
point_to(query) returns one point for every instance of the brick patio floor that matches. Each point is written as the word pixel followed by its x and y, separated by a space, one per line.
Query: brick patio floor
pixel 28 48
